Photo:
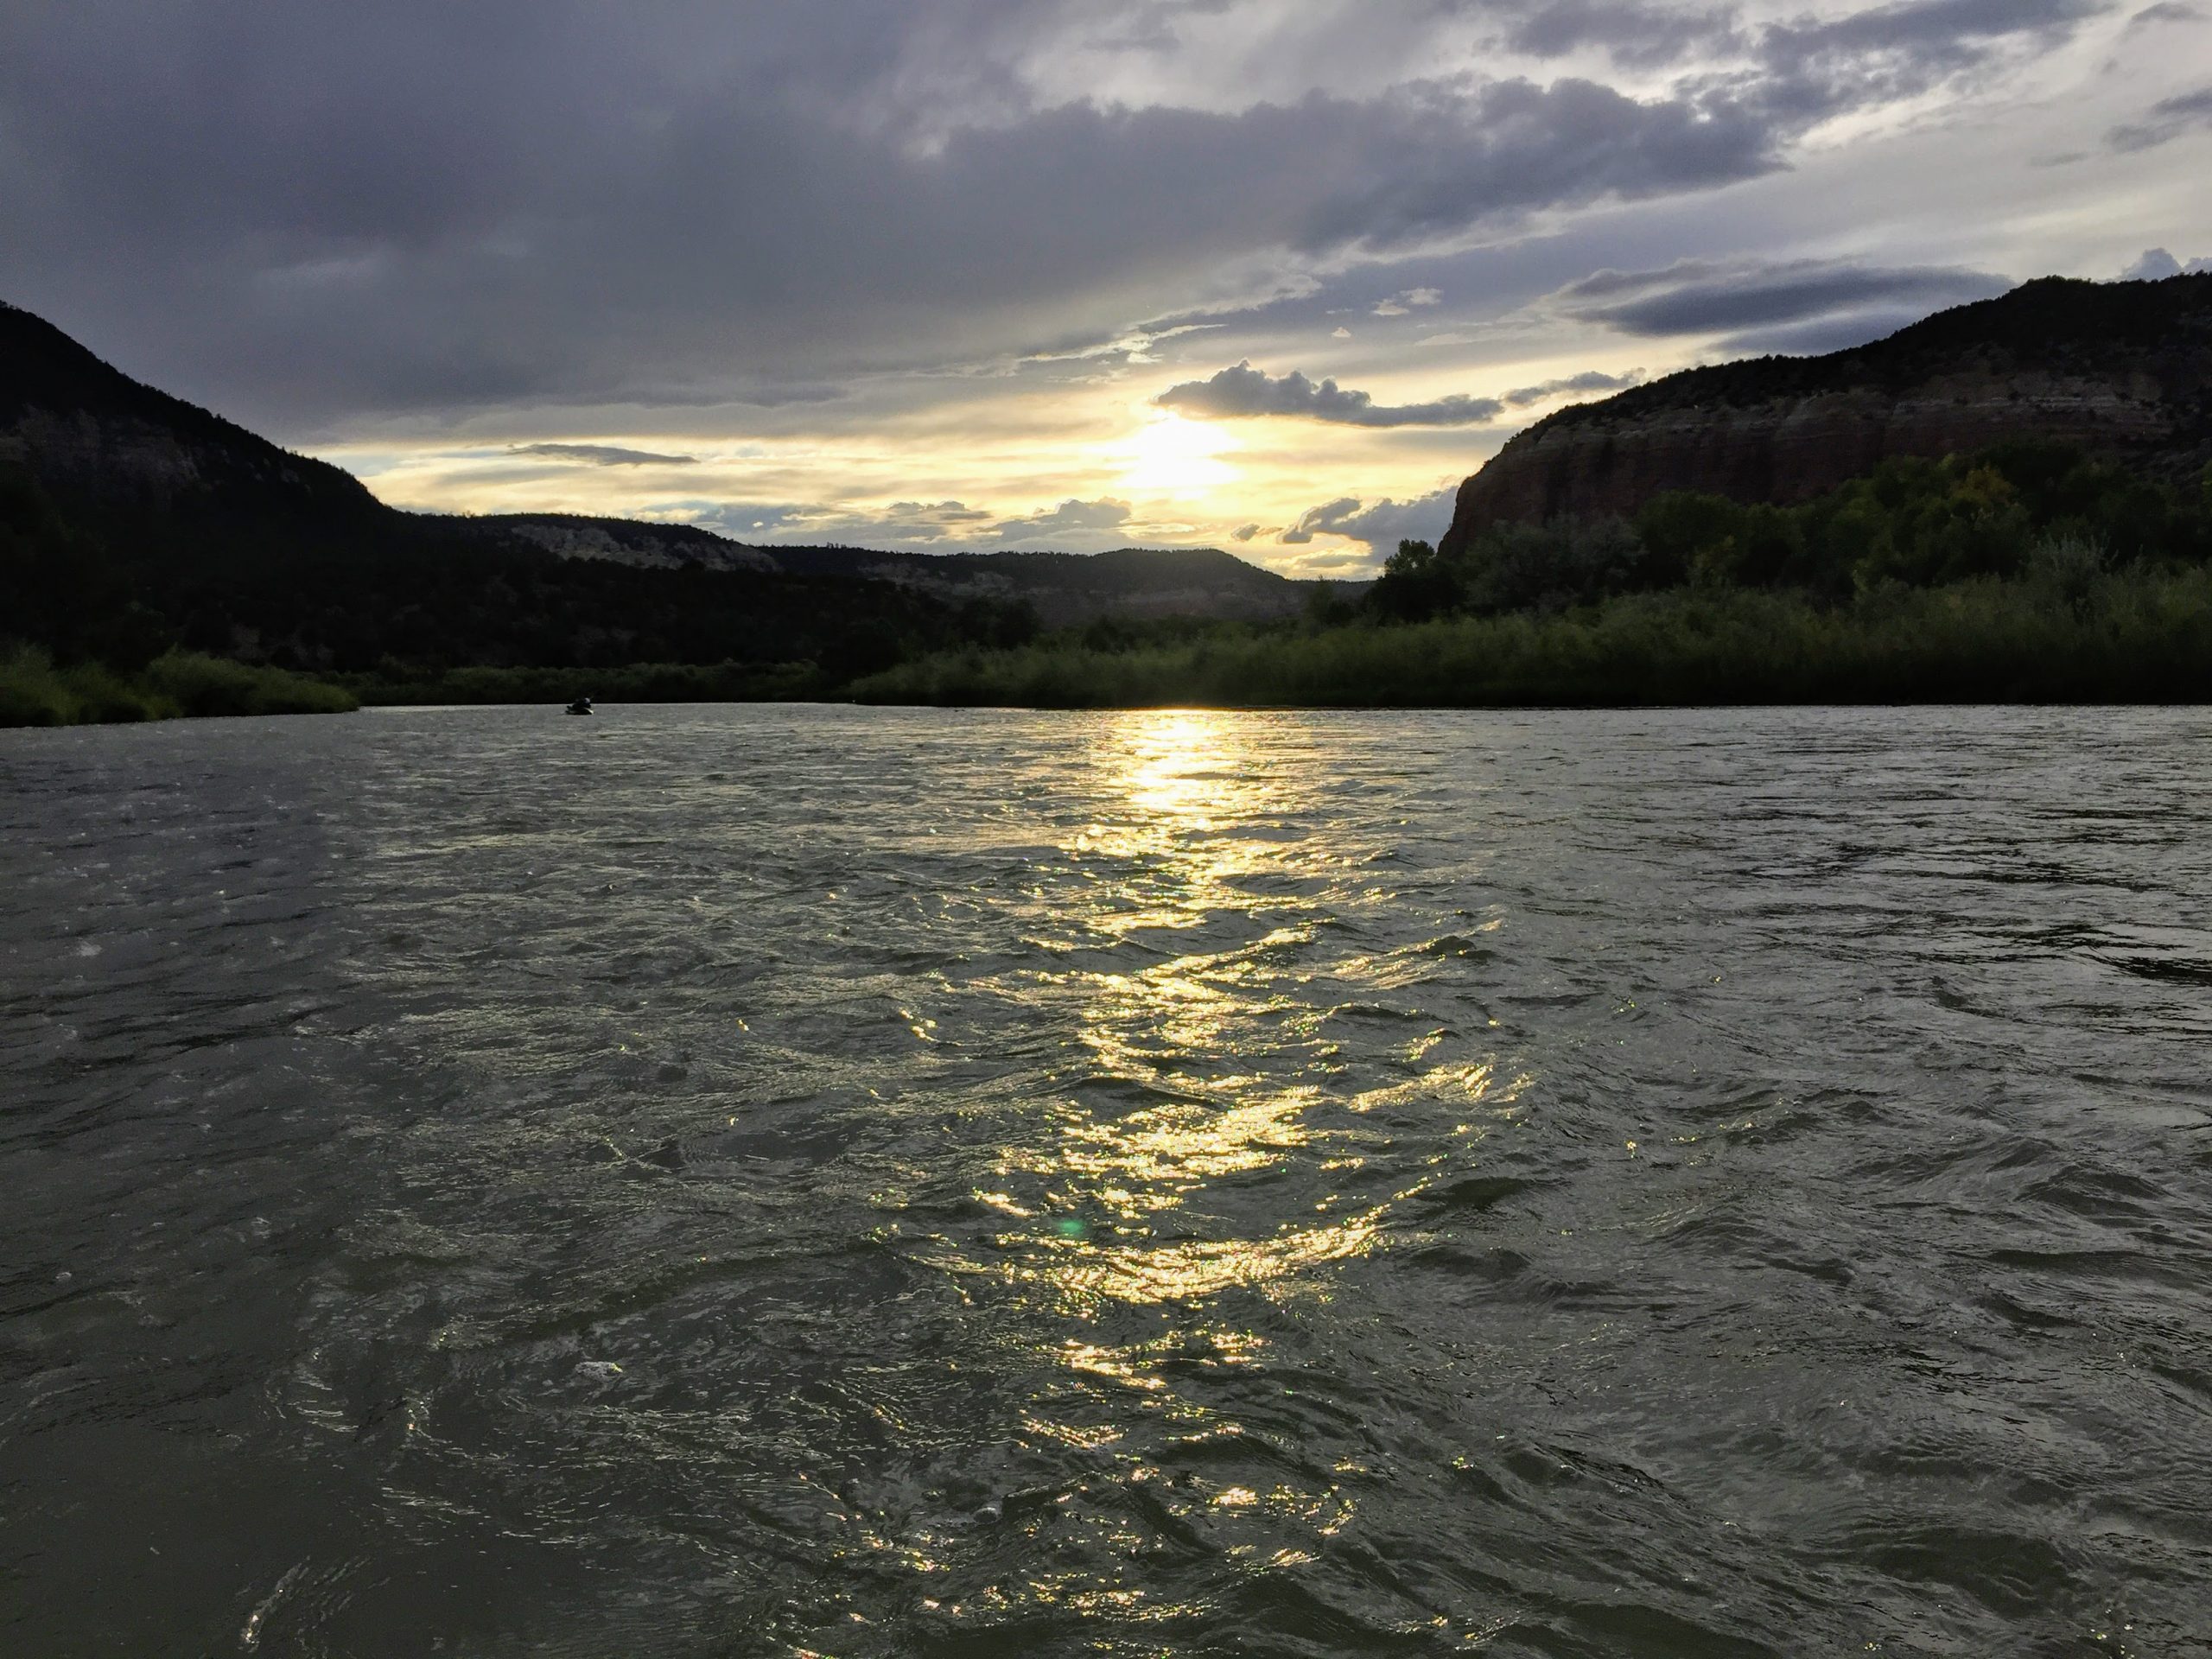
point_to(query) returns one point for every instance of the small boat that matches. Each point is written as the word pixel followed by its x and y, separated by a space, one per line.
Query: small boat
pixel 581 705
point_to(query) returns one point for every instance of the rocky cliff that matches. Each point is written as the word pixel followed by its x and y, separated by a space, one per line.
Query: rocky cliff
pixel 120 455
pixel 2122 368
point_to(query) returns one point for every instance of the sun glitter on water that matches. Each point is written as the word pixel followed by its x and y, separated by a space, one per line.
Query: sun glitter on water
pixel 1174 456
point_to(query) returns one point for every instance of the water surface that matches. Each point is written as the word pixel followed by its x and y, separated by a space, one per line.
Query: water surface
pixel 734 1181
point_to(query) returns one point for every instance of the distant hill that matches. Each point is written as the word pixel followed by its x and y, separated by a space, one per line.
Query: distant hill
pixel 1064 590
pixel 159 479
pixel 2124 369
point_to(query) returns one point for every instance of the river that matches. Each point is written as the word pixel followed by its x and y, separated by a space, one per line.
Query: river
pixel 719 1181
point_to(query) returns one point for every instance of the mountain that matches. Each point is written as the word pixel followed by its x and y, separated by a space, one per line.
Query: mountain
pixel 115 496
pixel 125 458
pixel 1063 589
pixel 2123 369
pixel 117 454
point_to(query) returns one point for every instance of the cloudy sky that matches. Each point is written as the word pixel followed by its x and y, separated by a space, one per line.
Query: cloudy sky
pixel 1271 275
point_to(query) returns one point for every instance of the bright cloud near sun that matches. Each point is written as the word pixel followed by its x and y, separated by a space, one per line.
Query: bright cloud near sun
pixel 1271 275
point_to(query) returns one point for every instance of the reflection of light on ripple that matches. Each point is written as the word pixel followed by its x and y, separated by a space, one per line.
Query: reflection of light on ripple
pixel 1172 1149
pixel 1178 766
pixel 1226 1038
pixel 1200 1267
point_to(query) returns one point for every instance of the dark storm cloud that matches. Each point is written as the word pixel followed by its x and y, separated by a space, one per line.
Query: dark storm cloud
pixel 1703 298
pixel 314 211
pixel 2165 122
pixel 1243 392
pixel 420 205
pixel 602 454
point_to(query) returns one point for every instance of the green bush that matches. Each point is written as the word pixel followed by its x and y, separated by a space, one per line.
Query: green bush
pixel 33 692
pixel 2068 634
pixel 200 685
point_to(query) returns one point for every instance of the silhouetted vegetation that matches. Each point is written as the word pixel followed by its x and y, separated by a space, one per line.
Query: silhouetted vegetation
pixel 2027 572
pixel 2125 637
pixel 1920 523
pixel 424 609
pixel 727 682
pixel 33 692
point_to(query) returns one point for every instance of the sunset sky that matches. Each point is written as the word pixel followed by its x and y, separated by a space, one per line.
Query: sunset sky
pixel 1268 274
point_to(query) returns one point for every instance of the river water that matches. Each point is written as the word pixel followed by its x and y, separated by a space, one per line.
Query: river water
pixel 739 1181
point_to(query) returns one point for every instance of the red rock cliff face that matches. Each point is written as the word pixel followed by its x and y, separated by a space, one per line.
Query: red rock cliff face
pixel 2117 371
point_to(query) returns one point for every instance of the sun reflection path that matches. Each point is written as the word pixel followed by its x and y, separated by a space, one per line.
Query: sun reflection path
pixel 1211 1142
pixel 1249 1084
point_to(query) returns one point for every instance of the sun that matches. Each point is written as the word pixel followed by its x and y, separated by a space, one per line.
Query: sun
pixel 1171 455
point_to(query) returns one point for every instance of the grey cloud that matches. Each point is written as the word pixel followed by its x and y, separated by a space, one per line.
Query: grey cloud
pixel 2165 122
pixel 740 521
pixel 1320 520
pixel 937 516
pixel 1590 380
pixel 1401 304
pixel 1382 526
pixel 915 527
pixel 903 524
pixel 602 454
pixel 1070 517
pixel 2167 11
pixel 1805 64
pixel 1244 533
pixel 1816 338
pixel 1244 392
pixel 2157 264
pixel 417 205
pixel 1704 297
pixel 1802 74
pixel 1635 36
pixel 1922 38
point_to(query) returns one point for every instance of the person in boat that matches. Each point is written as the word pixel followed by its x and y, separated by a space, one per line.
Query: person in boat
pixel 581 705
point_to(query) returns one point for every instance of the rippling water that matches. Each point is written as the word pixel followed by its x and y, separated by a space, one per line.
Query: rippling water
pixel 735 1181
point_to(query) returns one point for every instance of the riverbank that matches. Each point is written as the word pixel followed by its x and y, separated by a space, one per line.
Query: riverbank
pixel 2134 638
pixel 2126 637
pixel 176 685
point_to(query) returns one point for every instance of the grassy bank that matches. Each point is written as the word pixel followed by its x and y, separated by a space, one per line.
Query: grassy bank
pixel 2126 637
pixel 636 683
pixel 35 692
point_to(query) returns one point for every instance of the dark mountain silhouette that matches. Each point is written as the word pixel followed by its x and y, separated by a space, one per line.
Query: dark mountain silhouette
pixel 115 453
pixel 1064 590
pixel 2122 369
pixel 125 497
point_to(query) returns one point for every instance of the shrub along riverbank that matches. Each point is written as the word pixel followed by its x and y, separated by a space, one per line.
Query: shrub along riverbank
pixel 2126 637
pixel 2031 572
pixel 635 683
pixel 35 692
